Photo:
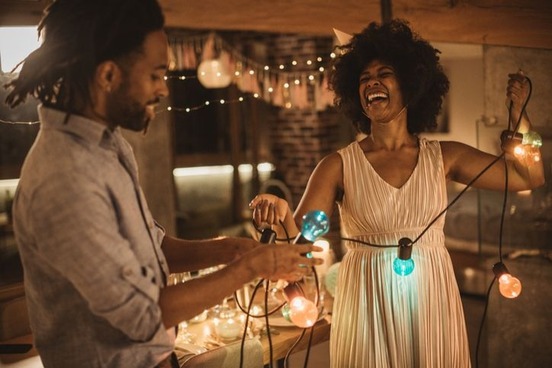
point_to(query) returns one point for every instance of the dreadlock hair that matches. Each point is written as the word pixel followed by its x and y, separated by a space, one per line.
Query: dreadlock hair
pixel 78 35
pixel 421 78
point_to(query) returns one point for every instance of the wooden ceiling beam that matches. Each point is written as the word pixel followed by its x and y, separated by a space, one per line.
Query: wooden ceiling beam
pixel 521 23
pixel 21 13
pixel 278 16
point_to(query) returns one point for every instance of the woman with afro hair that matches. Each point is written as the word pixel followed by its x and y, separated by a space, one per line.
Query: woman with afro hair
pixel 390 188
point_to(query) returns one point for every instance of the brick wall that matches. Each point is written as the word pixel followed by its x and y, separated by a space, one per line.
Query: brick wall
pixel 300 138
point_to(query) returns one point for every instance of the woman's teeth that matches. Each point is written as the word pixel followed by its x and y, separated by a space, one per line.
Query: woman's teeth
pixel 374 96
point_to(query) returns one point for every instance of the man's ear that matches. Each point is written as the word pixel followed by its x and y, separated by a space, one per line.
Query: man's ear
pixel 108 76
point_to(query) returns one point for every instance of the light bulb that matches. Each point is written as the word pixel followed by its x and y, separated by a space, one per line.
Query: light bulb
pixel 509 286
pixel 403 265
pixel 532 138
pixel 519 151
pixel 523 146
pixel 285 313
pixel 213 74
pixel 302 311
pixel 315 224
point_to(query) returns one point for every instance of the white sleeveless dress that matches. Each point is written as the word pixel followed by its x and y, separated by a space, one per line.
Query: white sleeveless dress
pixel 381 319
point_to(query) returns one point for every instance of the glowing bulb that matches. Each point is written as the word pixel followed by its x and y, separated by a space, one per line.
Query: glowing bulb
pixel 523 146
pixel 302 312
pixel 519 151
pixel 315 224
pixel 403 265
pixel 532 138
pixel 285 313
pixel 213 74
pixel 509 286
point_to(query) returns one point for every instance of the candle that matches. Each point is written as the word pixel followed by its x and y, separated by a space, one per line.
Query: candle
pixel 227 328
pixel 326 254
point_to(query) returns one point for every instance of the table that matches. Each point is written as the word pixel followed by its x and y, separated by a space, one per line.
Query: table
pixel 283 335
pixel 283 338
pixel 283 342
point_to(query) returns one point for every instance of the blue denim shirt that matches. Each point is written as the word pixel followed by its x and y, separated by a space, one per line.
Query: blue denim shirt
pixel 90 249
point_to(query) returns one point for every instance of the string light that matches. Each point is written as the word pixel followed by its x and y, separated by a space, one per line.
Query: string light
pixel 190 109
pixel 523 146
pixel 302 311
pixel 508 285
pixel 182 45
pixel 194 44
pixel 403 265
pixel 208 103
pixel 19 122
pixel 186 50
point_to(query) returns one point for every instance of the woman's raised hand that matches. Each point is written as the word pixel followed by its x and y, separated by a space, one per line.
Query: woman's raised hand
pixel 269 209
pixel 517 92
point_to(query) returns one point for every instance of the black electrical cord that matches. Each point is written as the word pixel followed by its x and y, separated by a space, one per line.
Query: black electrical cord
pixel 247 314
pixel 267 314
pixel 267 325
pixel 483 317
pixel 502 215
pixel 294 346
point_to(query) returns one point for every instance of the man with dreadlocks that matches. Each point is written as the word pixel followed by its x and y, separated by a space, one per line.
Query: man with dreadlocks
pixel 95 261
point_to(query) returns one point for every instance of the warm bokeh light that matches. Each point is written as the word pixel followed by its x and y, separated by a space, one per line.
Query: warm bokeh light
pixel 213 74
pixel 519 151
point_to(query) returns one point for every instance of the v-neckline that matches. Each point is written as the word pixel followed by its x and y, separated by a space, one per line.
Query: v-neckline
pixel 407 181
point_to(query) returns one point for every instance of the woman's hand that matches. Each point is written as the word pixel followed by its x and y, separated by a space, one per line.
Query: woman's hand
pixel 269 209
pixel 517 93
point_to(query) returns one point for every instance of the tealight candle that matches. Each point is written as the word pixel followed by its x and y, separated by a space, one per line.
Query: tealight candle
pixel 227 324
pixel 227 328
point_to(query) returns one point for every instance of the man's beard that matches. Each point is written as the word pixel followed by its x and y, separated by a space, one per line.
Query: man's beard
pixel 125 112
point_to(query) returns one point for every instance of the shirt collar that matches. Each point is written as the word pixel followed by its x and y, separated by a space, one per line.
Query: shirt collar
pixel 85 128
